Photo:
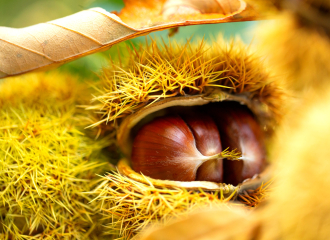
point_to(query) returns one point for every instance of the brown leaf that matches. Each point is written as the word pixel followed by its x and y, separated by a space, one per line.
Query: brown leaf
pixel 224 223
pixel 172 13
pixel 62 40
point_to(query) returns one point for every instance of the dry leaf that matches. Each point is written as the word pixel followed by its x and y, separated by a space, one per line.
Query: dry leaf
pixel 163 14
pixel 62 40
pixel 225 223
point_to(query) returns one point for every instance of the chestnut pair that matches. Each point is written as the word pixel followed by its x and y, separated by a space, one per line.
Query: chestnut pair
pixel 187 145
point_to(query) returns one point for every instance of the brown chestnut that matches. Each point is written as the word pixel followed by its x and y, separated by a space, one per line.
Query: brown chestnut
pixel 166 149
pixel 208 143
pixel 240 130
pixel 188 147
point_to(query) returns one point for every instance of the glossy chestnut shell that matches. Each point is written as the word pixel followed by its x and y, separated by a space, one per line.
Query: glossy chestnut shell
pixel 130 127
pixel 184 146
pixel 169 148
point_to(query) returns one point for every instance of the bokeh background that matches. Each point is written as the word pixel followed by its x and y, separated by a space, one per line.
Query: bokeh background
pixel 23 13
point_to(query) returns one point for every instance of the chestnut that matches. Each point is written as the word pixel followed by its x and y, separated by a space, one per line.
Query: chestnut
pixel 208 142
pixel 166 148
pixel 188 146
pixel 189 142
pixel 239 129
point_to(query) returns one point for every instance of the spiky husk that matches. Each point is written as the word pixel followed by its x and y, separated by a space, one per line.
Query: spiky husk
pixel 252 198
pixel 48 163
pixel 132 205
pixel 156 72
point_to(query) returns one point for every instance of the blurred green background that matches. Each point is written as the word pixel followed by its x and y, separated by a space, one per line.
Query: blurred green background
pixel 23 13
